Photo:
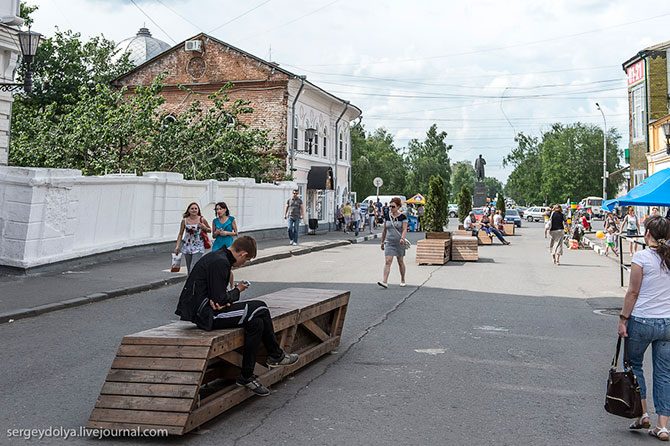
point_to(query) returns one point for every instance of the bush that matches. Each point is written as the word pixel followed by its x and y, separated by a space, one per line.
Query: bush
pixel 464 203
pixel 500 204
pixel 437 205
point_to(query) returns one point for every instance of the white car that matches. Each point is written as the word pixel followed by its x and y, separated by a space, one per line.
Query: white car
pixel 535 213
pixel 453 210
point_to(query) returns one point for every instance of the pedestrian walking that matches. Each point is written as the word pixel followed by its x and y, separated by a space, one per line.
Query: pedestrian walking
pixel 419 214
pixel 393 241
pixel 557 228
pixel 294 213
pixel 224 227
pixel 346 213
pixel 645 319
pixel 339 218
pixel 190 240
pixel 631 225
pixel 206 302
pixel 611 221
pixel 372 216
pixel 385 211
pixel 610 241
pixel 356 218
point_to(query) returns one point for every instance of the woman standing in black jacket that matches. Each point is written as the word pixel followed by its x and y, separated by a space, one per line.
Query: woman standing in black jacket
pixel 557 232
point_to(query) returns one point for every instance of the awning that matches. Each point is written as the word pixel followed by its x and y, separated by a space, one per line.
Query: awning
pixel 320 178
pixel 417 199
pixel 653 191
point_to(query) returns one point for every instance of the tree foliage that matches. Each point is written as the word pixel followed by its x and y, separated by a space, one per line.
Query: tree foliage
pixel 428 158
pixel 565 164
pixel 500 203
pixel 462 174
pixel 464 199
pixel 437 205
pixel 493 187
pixel 375 155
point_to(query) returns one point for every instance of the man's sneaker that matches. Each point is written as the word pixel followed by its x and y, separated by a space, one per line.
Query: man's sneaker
pixel 253 385
pixel 288 359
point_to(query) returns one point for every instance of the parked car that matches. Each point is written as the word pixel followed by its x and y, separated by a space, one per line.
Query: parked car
pixel 512 216
pixel 479 213
pixel 453 210
pixel 536 213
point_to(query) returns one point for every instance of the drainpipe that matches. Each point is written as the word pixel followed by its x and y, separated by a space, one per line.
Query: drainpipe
pixel 337 152
pixel 293 148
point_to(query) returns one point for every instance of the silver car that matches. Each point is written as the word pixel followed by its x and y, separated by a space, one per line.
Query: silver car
pixel 535 213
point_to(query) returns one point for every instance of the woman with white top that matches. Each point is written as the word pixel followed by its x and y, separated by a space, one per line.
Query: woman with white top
pixel 190 239
pixel 645 319
pixel 630 224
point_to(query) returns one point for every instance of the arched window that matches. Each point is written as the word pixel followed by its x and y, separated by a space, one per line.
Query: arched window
pixel 316 140
pixel 308 144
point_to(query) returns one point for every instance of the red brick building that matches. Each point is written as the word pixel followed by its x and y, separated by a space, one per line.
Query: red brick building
pixel 285 104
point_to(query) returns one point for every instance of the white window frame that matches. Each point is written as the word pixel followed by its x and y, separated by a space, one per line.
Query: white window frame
pixel 638 112
pixel 295 133
pixel 325 142
pixel 316 140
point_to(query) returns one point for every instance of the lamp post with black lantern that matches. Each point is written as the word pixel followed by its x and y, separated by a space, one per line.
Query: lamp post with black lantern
pixel 604 152
pixel 28 41
pixel 666 130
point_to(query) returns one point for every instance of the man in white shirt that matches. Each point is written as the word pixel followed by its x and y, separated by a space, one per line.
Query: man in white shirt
pixel 497 220
pixel 468 223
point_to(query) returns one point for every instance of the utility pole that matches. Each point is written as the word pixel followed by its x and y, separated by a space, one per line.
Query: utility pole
pixel 604 152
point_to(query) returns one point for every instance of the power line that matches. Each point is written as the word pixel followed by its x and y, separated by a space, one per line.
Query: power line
pixel 179 15
pixel 486 50
pixel 239 16
pixel 152 21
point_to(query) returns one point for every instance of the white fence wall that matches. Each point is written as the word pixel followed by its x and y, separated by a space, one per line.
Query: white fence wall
pixel 50 215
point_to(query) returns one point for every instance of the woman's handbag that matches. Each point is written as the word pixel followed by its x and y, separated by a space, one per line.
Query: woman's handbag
pixel 176 263
pixel 406 244
pixel 205 239
pixel 623 393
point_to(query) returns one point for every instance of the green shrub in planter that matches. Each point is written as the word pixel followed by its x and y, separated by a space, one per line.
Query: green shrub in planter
pixel 500 204
pixel 437 205
pixel 464 200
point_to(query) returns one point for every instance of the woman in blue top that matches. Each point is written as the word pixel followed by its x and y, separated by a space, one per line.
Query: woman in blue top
pixel 224 227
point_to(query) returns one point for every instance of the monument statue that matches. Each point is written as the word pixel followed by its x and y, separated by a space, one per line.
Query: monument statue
pixel 479 168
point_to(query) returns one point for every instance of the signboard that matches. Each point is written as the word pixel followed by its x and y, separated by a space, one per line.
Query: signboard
pixel 635 73
pixel 378 182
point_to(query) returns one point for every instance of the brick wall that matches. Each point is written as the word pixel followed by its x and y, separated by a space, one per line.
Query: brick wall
pixel 205 72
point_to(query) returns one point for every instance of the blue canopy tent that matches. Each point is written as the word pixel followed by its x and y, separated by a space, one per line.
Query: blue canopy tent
pixel 653 191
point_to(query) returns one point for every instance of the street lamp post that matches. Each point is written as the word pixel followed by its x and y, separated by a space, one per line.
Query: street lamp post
pixel 28 41
pixel 604 152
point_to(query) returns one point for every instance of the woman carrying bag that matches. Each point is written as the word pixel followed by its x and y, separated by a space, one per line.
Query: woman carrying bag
pixel 225 227
pixel 192 238
pixel 645 320
pixel 394 242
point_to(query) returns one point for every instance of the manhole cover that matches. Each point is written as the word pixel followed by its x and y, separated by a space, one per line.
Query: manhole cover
pixel 608 311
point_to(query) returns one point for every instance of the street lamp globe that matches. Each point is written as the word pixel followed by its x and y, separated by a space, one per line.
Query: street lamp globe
pixel 29 41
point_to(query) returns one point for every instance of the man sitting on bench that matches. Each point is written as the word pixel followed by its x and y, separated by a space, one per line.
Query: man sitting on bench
pixel 206 302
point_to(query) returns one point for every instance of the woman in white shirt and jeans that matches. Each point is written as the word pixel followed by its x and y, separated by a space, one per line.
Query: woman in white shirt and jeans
pixel 645 319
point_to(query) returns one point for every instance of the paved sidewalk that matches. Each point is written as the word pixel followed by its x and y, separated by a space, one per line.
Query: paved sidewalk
pixel 24 296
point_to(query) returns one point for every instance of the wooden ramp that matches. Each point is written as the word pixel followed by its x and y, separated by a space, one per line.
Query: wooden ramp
pixel 177 377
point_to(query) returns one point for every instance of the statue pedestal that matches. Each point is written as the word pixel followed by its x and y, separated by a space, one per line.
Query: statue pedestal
pixel 479 196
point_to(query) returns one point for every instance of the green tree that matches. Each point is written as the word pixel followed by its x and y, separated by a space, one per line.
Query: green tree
pixel 427 158
pixel 500 203
pixel 464 199
pixel 25 12
pixel 462 174
pixel 524 183
pixel 493 187
pixel 437 205
pixel 375 155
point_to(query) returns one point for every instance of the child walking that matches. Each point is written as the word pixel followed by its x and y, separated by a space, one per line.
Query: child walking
pixel 610 241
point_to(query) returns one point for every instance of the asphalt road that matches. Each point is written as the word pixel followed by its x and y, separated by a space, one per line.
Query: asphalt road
pixel 506 351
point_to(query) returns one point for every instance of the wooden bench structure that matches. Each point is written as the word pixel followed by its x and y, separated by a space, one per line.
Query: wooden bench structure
pixel 464 248
pixel 509 228
pixel 433 251
pixel 177 377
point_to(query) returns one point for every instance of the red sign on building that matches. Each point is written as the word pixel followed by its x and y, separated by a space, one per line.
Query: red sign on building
pixel 635 73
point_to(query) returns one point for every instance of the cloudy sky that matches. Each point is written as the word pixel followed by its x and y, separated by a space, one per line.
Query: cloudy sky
pixel 481 69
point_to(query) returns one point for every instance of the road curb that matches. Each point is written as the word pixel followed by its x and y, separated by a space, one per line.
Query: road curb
pixel 24 313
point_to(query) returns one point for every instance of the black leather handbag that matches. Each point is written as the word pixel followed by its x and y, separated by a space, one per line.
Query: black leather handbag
pixel 623 393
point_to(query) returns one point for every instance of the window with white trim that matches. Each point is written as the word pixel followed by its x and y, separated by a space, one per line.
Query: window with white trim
pixel 316 140
pixel 295 133
pixel 308 144
pixel 325 142
pixel 341 145
pixel 638 112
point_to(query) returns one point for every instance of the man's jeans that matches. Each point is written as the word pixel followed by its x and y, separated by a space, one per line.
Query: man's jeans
pixel 641 333
pixel 293 227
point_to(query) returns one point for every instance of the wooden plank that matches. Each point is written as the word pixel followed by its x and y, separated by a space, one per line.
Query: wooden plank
pixel 287 337
pixel 171 430
pixel 163 351
pixel 134 363
pixel 153 376
pixel 139 416
pixel 147 389
pixel 226 400
pixel 144 403
pixel 338 321
pixel 235 359
pixel 315 330
pixel 311 313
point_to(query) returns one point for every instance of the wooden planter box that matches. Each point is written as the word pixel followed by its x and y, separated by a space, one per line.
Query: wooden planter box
pixel 177 377
pixel 446 235
pixel 484 239
pixel 433 251
pixel 464 248
pixel 509 228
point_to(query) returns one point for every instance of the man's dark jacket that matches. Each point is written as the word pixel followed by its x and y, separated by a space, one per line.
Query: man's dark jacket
pixel 208 280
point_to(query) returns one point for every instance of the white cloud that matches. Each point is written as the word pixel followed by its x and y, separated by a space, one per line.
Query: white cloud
pixel 469 50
